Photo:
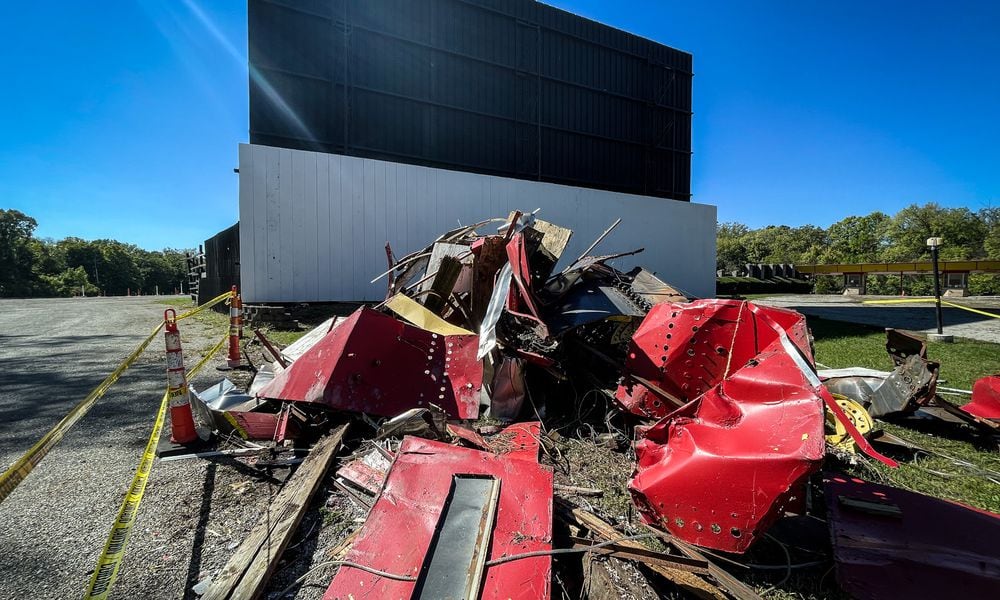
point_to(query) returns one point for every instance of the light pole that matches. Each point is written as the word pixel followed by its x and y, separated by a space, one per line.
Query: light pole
pixel 933 243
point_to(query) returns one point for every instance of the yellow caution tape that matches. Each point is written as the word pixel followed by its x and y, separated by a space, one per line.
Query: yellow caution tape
pixel 114 549
pixel 24 465
pixel 970 309
pixel 945 302
pixel 13 476
pixel 209 304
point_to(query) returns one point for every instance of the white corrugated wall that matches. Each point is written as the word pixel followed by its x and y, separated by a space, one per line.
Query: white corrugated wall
pixel 313 226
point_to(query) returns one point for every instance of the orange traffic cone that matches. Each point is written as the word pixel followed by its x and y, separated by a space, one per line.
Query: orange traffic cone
pixel 182 429
pixel 234 330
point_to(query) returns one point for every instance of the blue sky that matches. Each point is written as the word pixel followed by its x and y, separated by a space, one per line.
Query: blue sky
pixel 121 119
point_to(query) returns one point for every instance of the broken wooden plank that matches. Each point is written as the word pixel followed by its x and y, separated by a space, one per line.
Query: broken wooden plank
pixel 607 579
pixel 338 551
pixel 733 586
pixel 604 530
pixel 443 283
pixel 491 256
pixel 246 573
pixel 645 556
pixel 275 355
pixel 577 491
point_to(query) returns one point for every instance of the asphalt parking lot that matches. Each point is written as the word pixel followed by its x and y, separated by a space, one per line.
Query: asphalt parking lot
pixel 53 352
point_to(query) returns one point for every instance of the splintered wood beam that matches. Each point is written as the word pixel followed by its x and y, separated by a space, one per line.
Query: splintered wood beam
pixel 248 570
pixel 689 582
pixel 443 283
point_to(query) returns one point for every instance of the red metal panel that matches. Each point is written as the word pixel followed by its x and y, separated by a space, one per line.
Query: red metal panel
pixel 468 435
pixel 364 476
pixel 262 426
pixel 891 543
pixel 719 470
pixel 376 364
pixel 985 398
pixel 688 348
pixel 519 440
pixel 517 254
pixel 400 526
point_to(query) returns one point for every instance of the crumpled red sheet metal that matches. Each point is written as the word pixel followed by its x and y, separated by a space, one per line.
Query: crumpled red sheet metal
pixel 891 543
pixel 685 349
pixel 375 364
pixel 400 527
pixel 719 470
pixel 985 402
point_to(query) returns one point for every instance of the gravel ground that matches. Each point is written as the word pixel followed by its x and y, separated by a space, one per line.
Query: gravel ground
pixel 195 512
pixel 915 317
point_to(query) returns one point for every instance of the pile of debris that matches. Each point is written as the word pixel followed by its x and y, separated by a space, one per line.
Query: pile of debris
pixel 469 374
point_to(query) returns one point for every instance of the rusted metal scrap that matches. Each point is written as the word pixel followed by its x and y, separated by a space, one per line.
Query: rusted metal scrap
pixel 892 543
pixel 911 384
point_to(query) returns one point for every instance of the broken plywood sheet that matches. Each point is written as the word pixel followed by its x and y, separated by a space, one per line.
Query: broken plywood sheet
pixel 554 238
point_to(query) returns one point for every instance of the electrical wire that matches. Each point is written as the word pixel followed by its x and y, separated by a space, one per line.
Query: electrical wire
pixel 492 563
pixel 513 557
pixel 788 564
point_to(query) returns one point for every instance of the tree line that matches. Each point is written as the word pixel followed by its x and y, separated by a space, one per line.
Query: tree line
pixel 42 267
pixel 875 237
pixel 72 266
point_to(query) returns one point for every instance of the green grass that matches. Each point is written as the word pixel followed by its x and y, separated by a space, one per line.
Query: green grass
pixel 213 319
pixel 841 344
pixel 848 345
pixel 284 337
pixel 178 302
pixel 207 317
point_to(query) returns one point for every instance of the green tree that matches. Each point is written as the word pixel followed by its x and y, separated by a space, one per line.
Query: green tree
pixel 858 239
pixel 120 273
pixel 991 221
pixel 16 257
pixel 963 231
pixel 70 282
pixel 77 252
pixel 161 270
pixel 784 244
pixel 730 249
